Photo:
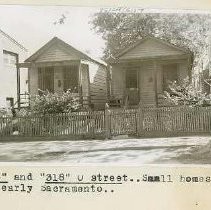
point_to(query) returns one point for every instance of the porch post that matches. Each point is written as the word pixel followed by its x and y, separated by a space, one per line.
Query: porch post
pixel 155 83
pixel 18 88
pixel 79 83
pixel 140 119
pixel 108 82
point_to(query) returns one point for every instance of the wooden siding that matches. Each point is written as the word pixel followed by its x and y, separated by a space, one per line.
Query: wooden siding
pixel 33 80
pixel 99 89
pixel 85 80
pixel 118 81
pixel 183 71
pixel 150 93
pixel 151 48
pixel 56 53
pixel 58 78
pixel 147 84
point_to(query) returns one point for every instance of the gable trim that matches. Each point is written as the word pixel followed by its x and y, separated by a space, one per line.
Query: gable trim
pixel 139 42
pixel 81 55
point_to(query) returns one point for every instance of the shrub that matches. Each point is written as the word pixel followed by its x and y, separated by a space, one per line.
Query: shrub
pixel 186 94
pixel 52 103
pixel 5 112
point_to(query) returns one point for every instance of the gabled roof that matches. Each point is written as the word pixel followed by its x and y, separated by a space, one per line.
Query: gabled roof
pixel 80 55
pixel 13 40
pixel 142 41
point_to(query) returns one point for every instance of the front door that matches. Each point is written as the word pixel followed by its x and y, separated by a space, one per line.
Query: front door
pixel 147 84
pixel 132 91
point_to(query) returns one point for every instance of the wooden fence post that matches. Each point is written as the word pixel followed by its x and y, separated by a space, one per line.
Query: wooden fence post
pixel 107 122
pixel 140 119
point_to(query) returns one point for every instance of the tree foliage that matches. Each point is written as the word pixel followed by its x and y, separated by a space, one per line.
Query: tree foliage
pixel 120 30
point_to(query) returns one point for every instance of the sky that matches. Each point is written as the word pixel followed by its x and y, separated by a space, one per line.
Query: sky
pixel 33 26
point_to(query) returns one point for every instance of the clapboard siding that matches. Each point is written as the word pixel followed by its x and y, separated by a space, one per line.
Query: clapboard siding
pixel 183 71
pixel 98 85
pixel 99 89
pixel 100 80
pixel 33 80
pixel 147 84
pixel 151 48
pixel 85 79
pixel 56 53
pixel 159 73
pixel 118 81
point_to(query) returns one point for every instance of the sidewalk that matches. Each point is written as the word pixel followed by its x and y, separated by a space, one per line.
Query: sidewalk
pixel 127 151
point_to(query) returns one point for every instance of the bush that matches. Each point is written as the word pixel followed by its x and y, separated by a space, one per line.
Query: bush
pixel 52 103
pixel 186 94
pixel 5 112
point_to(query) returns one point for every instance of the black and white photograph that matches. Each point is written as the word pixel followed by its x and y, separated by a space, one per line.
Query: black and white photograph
pixel 91 85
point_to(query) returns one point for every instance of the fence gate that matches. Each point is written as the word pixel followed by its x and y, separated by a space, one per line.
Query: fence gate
pixel 123 122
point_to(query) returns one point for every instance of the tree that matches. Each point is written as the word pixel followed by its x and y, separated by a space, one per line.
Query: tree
pixel 120 30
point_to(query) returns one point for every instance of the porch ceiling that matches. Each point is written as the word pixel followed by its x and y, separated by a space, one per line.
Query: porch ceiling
pixel 50 63
pixel 151 49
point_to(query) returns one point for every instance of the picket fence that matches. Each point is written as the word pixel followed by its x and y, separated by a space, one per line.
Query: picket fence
pixel 163 121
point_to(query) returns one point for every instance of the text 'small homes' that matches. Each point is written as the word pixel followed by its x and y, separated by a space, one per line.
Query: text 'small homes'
pixel 13 82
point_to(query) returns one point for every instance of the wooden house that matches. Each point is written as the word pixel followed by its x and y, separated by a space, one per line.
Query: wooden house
pixel 140 73
pixel 13 83
pixel 57 67
pixel 99 87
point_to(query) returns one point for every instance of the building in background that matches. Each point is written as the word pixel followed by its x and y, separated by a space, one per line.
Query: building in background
pixel 13 83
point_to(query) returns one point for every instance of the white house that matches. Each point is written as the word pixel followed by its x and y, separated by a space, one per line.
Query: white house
pixel 13 83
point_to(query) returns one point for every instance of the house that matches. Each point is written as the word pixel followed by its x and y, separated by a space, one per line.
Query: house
pixel 99 87
pixel 140 73
pixel 57 67
pixel 13 83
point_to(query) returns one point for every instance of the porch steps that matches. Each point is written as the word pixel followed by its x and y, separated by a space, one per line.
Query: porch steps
pixel 148 99
pixel 24 100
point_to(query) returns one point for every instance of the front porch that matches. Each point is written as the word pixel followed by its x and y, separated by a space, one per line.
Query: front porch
pixel 58 77
pixel 144 81
pixel 55 77
pixel 140 73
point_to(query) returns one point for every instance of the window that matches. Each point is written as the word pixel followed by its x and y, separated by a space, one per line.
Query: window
pixel 70 78
pixel 46 79
pixel 10 101
pixel 9 58
pixel 131 78
pixel 169 74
